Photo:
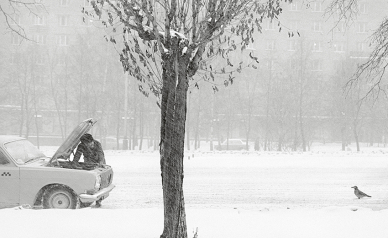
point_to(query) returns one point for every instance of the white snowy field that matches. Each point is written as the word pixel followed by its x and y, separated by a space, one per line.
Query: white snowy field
pixel 231 194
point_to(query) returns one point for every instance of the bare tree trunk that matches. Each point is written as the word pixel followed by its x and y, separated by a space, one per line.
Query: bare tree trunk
pixel 134 122
pixel 295 146
pixel 266 139
pixel 141 124
pixel 21 108
pixel 65 122
pixel 35 112
pixel 356 119
pixel 301 128
pixel 280 143
pixel 173 118
pixel 54 94
pixel 197 122
pixel 301 98
pixel 248 125
pixel 343 138
pixel 104 118
pixel 212 124
pixel 188 125
pixel 26 103
pixel 229 116
pixel 118 128
pixel 356 136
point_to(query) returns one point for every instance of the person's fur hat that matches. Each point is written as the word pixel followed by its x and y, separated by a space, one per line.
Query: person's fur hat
pixel 86 138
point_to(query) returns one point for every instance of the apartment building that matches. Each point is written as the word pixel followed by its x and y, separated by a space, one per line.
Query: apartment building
pixel 305 40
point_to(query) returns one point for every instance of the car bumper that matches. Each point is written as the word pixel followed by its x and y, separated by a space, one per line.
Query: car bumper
pixel 102 194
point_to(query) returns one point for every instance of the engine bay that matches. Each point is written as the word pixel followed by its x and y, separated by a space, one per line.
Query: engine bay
pixel 66 164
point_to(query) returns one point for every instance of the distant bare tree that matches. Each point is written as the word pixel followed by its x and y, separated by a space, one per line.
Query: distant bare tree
pixel 343 10
pixel 373 70
pixel 11 9
pixel 247 101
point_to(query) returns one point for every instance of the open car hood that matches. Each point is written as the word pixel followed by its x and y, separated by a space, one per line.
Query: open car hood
pixel 72 140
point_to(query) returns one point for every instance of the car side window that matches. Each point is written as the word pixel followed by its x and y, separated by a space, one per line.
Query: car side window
pixel 3 159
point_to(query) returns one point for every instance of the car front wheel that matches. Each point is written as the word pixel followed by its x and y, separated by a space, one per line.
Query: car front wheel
pixel 59 198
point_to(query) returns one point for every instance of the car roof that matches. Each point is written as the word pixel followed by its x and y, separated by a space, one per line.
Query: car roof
pixel 9 138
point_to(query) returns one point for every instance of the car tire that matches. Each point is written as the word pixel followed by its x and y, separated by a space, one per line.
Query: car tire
pixel 59 197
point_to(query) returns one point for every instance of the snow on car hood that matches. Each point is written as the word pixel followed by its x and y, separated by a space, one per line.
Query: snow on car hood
pixel 73 139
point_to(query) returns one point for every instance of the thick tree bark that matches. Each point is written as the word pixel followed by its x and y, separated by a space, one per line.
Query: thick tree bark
pixel 173 118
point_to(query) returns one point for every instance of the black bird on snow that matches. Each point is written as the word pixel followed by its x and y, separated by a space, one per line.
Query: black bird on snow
pixel 359 193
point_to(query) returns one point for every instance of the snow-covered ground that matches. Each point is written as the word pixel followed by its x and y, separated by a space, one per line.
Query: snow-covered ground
pixel 231 194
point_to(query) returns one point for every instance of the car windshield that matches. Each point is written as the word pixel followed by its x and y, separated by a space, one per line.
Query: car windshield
pixel 23 151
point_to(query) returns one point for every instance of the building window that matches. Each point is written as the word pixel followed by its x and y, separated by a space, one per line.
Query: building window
pixel 86 21
pixel 294 6
pixel 40 39
pixel 316 7
pixel 316 65
pixel 361 46
pixel 61 59
pixel 270 45
pixel 16 40
pixel 270 25
pixel 64 3
pixel 39 59
pixel 39 20
pixel 362 8
pixel 291 45
pixel 294 25
pixel 317 46
pixel 340 27
pixel 293 64
pixel 317 26
pixel 63 20
pixel 361 27
pixel 338 65
pixel 63 40
pixel 339 47
pixel 14 58
pixel 270 64
pixel 15 20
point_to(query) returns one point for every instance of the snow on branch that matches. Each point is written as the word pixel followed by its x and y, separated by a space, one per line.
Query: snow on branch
pixel 174 34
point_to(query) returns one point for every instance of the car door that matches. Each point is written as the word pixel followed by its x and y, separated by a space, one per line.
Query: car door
pixel 9 182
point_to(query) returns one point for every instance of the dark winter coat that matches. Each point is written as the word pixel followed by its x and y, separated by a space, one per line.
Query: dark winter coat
pixel 91 155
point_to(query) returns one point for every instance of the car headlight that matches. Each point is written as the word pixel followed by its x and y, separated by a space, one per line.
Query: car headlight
pixel 97 185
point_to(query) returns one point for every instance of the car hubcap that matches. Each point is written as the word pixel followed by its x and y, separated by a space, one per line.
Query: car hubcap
pixel 61 200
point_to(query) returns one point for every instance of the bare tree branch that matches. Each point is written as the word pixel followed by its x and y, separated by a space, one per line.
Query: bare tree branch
pixel 345 11
pixel 371 72
pixel 12 10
